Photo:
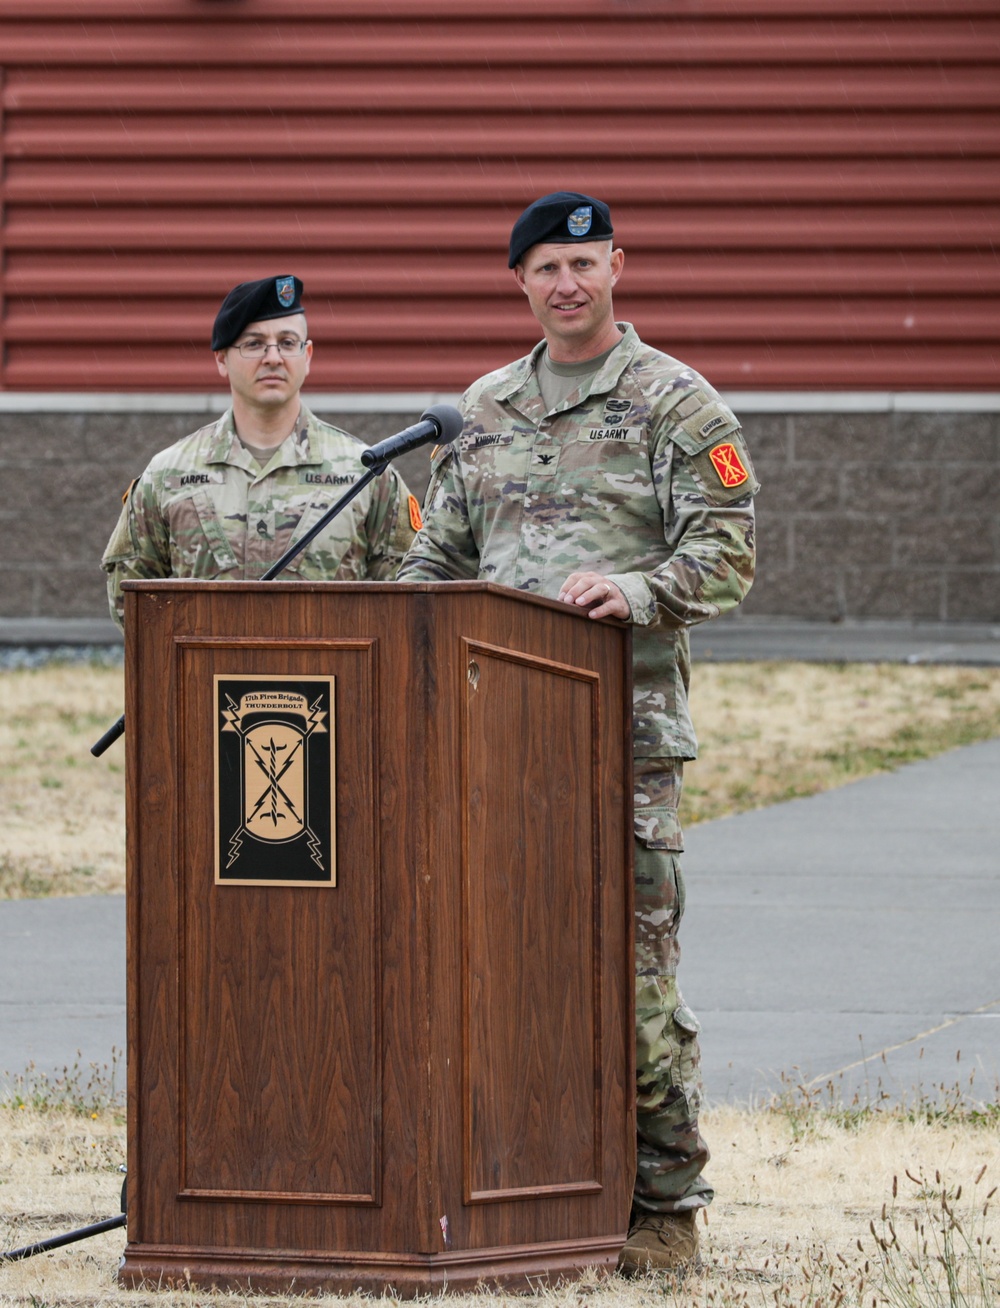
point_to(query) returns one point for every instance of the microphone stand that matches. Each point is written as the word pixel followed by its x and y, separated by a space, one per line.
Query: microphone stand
pixel 57 1241
pixel 71 1237
pixel 295 550
pixel 376 467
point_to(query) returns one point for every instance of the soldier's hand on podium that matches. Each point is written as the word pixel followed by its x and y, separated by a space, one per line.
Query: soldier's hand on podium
pixel 591 588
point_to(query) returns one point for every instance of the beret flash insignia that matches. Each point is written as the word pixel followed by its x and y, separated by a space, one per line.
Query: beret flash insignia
pixel 285 289
pixel 580 220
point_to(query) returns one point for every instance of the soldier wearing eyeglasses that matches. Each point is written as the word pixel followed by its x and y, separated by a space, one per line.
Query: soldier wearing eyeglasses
pixel 229 500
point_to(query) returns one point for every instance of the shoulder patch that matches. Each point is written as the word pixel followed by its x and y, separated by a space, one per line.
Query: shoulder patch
pixel 723 469
pixel 416 521
pixel 728 464
pixel 131 488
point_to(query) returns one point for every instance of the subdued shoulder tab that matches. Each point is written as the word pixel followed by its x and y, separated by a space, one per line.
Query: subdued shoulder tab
pixel 131 488
pixel 703 426
pixel 690 404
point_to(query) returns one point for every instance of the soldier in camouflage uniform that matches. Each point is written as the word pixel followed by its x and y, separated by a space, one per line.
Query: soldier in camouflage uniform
pixel 229 500
pixel 601 472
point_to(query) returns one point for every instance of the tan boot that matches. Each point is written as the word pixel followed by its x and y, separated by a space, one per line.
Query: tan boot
pixel 660 1242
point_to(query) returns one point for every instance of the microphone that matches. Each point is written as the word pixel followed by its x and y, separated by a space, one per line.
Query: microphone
pixel 441 423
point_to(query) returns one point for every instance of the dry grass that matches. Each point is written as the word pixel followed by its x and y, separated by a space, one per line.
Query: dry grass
pixel 800 1185
pixel 768 731
pixel 63 811
pixel 773 731
pixel 799 1188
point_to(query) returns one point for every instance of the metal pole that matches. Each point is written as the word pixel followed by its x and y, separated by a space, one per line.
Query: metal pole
pixel 57 1241
pixel 118 728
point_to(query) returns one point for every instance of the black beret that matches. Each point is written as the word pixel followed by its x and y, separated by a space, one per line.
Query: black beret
pixel 271 297
pixel 560 217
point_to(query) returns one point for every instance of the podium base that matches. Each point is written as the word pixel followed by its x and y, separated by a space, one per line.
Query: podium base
pixel 405 1276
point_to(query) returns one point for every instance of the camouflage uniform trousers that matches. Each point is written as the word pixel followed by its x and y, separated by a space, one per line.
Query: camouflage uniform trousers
pixel 671 1151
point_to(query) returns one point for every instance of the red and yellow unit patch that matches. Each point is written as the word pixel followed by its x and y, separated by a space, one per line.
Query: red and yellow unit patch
pixel 728 465
pixel 416 521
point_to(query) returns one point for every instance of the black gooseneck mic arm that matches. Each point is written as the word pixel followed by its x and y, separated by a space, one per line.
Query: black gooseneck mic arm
pixel 441 423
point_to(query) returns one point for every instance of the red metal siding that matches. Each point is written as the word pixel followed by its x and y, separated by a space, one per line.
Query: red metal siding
pixel 807 193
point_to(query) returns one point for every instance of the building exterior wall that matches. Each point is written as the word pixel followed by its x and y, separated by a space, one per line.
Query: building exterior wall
pixel 807 193
pixel 889 514
pixel 808 196
pixel 866 513
pixel 64 474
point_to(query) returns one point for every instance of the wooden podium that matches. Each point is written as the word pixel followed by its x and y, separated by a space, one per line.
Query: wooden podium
pixel 380 994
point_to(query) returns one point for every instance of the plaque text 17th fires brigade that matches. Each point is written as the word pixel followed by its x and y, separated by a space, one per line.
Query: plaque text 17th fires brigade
pixel 274 781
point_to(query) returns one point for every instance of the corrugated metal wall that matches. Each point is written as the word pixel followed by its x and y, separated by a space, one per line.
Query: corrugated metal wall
pixel 807 190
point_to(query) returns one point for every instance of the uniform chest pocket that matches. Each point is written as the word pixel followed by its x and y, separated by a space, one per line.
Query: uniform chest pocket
pixel 617 456
pixel 490 460
pixel 196 531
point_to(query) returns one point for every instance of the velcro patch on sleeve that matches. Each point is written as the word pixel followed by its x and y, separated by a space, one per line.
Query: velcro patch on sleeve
pixel 707 425
pixel 131 488
pixel 690 404
pixel 727 463
pixel 713 424
pixel 724 470
pixel 416 521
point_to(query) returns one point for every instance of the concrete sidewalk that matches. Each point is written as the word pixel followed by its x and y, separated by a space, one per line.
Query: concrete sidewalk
pixel 734 638
pixel 822 936
pixel 737 638
pixel 62 985
pixel 852 936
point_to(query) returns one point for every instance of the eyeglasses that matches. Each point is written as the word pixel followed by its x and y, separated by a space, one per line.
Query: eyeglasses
pixel 288 347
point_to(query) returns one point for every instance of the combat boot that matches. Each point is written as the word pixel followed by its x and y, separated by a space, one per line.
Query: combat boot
pixel 660 1242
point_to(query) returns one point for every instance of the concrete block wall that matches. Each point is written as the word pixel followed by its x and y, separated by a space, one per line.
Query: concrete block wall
pixel 892 515
pixel 64 475
pixel 888 514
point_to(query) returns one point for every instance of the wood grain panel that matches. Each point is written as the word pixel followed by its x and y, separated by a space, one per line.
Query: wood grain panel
pixel 280 1110
pixel 272 1049
pixel 152 828
pixel 532 1067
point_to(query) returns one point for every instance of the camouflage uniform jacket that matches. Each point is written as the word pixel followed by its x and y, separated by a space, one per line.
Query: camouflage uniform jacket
pixel 205 508
pixel 642 476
